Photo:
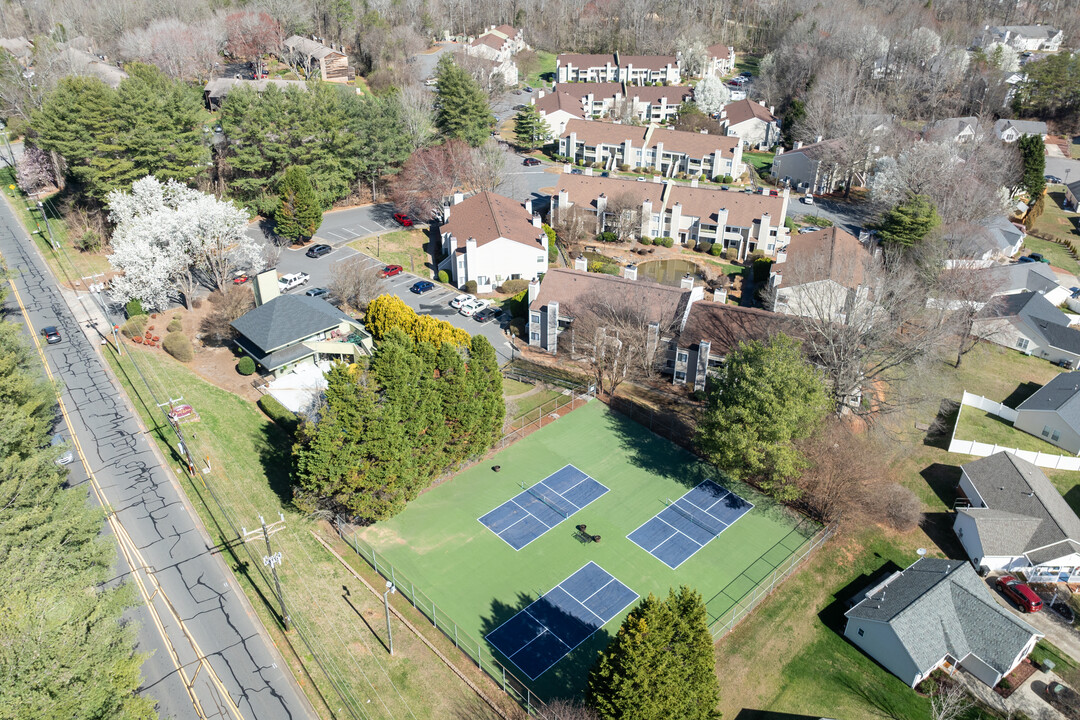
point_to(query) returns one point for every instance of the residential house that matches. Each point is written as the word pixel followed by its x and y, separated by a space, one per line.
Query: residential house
pixel 498 45
pixel 558 108
pixel 1028 322
pixel 668 151
pixel 957 130
pixel 1072 195
pixel 938 614
pixel 711 331
pixel 284 332
pixel 618 101
pixel 1012 130
pixel 333 64
pixel 83 62
pixel 631 69
pixel 720 60
pixel 1010 517
pixel 820 275
pixel 1024 38
pixel 811 167
pixel 689 214
pixel 1053 413
pixel 989 240
pixel 567 296
pixel 19 47
pixel 215 90
pixel 489 238
pixel 1025 277
pixel 752 122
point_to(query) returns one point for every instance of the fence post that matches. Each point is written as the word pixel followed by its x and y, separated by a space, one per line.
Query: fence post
pixel 434 615
pixel 412 594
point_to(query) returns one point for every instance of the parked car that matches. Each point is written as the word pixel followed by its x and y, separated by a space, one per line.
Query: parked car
pixel 808 229
pixel 67 456
pixel 1064 698
pixel 530 161
pixel 1038 257
pixel 422 287
pixel 317 251
pixel 808 199
pixel 240 277
pixel 1024 259
pixel 1020 593
pixel 317 292
pixel 1053 179
pixel 472 307
pixel 575 171
pixel 487 314
pixel 641 179
pixel 403 219
pixel 292 280
pixel 390 271
pixel 52 335
pixel 746 74
pixel 527 89
pixel 461 300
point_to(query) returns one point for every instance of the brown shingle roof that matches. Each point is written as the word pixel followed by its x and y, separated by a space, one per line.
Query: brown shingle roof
pixel 719 50
pixel 583 189
pixel 507 30
pixel 551 102
pixel 593 133
pixel 724 326
pixel 491 40
pixel 743 110
pixel 743 208
pixel 654 93
pixel 829 254
pixel 597 89
pixel 585 61
pixel 651 62
pixel 487 216
pixel 696 145
pixel 572 288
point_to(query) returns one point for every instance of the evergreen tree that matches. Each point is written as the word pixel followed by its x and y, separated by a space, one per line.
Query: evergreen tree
pixel 909 222
pixel 65 648
pixel 766 396
pixel 531 131
pixel 1033 154
pixel 463 111
pixel 298 213
pixel 660 664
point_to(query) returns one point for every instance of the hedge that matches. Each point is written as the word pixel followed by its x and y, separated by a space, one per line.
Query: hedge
pixel 175 326
pixel 716 250
pixel 246 366
pixel 135 326
pixel 178 345
pixel 470 287
pixel 444 277
pixel 645 240
pixel 134 308
pixel 282 416
pixel 514 286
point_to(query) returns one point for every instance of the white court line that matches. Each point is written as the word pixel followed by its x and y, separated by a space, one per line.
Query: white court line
pixel 567 593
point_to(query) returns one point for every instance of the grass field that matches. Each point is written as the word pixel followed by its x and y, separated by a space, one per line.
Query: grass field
pixel 981 426
pixel 406 248
pixel 480 581
pixel 529 403
pixel 545 70
pixel 761 161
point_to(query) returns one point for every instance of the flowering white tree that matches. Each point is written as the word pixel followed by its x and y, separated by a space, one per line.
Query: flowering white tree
pixel 711 94
pixel 172 239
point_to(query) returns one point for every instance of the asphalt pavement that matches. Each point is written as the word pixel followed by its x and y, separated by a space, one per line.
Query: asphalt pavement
pixel 196 610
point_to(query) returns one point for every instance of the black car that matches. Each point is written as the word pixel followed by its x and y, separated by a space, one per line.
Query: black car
pixel 487 314
pixel 317 292
pixel 1053 179
pixel 317 251
pixel 52 335
pixel 422 287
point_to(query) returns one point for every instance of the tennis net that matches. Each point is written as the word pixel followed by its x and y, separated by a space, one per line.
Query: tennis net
pixel 563 514
pixel 715 529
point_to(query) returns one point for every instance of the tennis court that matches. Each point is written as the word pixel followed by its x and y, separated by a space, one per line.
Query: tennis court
pixel 676 533
pixel 566 616
pixel 537 509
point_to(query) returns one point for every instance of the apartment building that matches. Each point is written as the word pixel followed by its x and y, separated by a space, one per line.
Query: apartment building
pixel 632 69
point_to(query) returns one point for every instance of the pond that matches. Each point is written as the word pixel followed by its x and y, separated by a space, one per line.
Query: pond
pixel 667 272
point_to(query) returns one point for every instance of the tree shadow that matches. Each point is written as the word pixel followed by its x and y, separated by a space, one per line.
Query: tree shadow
pixel 275 456
pixel 939 528
pixel 1073 498
pixel 566 678
pixel 941 428
pixel 657 455
pixel 748 714
pixel 943 479
pixel 1022 392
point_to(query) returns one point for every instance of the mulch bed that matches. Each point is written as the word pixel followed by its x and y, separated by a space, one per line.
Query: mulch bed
pixel 1016 678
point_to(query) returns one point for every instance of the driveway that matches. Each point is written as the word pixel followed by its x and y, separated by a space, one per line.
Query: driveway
pixel 850 216
pixel 1067 170
pixel 1047 622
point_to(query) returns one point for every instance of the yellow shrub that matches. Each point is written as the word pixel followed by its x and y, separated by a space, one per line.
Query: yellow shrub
pixel 389 311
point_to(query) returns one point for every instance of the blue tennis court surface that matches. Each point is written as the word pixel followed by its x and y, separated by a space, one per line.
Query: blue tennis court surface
pixel 545 632
pixel 690 523
pixel 535 510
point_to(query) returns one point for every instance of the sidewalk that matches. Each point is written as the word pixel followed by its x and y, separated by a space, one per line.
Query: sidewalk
pixel 1026 699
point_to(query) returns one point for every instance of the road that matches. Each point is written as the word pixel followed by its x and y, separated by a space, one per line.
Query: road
pixel 1067 170
pixel 195 610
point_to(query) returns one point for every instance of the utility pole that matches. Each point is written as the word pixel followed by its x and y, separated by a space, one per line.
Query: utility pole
pixel 391 588
pixel 271 559
pixel 45 217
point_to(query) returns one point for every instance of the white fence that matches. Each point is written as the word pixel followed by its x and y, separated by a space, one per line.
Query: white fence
pixel 981 449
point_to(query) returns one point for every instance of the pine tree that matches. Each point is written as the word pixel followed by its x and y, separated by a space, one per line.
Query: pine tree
pixel 1033 155
pixel 298 214
pixel 463 110
pixel 909 222
pixel 660 664
pixel 381 131
pixel 531 131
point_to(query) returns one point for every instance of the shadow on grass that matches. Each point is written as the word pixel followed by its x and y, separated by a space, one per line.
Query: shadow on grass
pixel 943 480
pixel 275 456
pixel 1022 392
pixel 938 526
pixel 653 453
pixel 941 429
pixel 566 678
pixel 1073 498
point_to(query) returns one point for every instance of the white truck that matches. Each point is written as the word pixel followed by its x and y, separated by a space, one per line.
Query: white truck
pixel 292 280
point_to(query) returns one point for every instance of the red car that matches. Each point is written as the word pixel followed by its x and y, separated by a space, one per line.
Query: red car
pixel 403 219
pixel 240 278
pixel 530 161
pixel 390 271
pixel 1020 593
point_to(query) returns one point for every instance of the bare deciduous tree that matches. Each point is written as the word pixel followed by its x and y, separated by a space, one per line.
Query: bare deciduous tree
pixel 949 702
pixel 623 216
pixel 429 176
pixel 487 166
pixel 354 282
pixel 228 305
pixel 574 225
pixel 418 111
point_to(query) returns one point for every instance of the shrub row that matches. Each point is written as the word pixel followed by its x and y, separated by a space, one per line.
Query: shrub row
pixel 278 413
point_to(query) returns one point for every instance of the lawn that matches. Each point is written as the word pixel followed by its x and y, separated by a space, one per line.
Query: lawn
pixel 981 426
pixel 1056 222
pixel 407 248
pixel 761 161
pixel 542 398
pixel 745 62
pixel 250 457
pixel 545 70
pixel 514 387
pixel 480 581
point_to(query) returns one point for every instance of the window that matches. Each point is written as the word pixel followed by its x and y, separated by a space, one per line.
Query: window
pixel 680 375
pixel 535 318
pixel 481 280
pixel 498 278
pixel 1055 436
pixel 682 356
pixel 860 632
pixel 540 259
pixel 535 336
pixel 1022 344
pixel 1046 431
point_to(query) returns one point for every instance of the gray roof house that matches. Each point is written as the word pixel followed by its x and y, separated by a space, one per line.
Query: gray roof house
pixel 1023 277
pixel 285 331
pixel 1072 194
pixel 1010 517
pixel 1028 322
pixel 938 614
pixel 1012 130
pixel 1053 413
pixel 957 129
pixel 992 238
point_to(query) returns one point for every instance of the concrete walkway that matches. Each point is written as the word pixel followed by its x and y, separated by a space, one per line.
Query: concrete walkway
pixel 1027 699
